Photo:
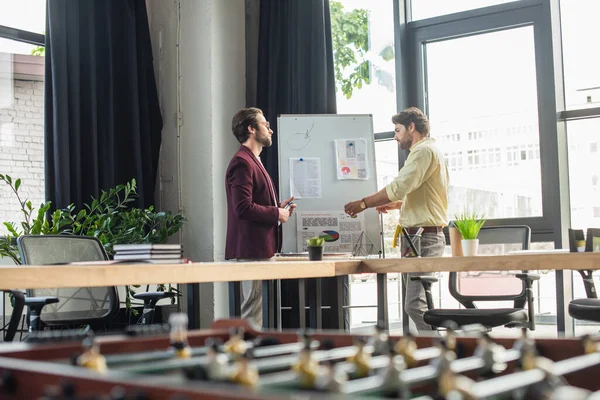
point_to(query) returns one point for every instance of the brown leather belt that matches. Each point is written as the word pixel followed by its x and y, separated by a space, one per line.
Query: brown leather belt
pixel 426 229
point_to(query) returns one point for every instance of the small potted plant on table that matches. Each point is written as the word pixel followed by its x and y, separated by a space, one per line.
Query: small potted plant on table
pixel 315 248
pixel 469 225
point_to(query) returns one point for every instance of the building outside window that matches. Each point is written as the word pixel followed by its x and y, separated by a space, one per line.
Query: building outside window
pixel 21 105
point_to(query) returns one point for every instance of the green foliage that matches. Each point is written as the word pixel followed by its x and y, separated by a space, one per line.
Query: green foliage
pixel 315 242
pixel 469 224
pixel 350 37
pixel 38 51
pixel 350 40
pixel 110 218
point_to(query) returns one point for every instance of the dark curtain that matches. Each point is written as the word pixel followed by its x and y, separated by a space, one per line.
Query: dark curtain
pixel 295 64
pixel 296 76
pixel 102 117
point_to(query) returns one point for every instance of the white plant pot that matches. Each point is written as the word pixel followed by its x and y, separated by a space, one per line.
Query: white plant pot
pixel 469 247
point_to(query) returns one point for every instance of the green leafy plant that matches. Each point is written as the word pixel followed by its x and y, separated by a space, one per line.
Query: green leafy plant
pixel 350 42
pixel 315 242
pixel 469 224
pixel 110 218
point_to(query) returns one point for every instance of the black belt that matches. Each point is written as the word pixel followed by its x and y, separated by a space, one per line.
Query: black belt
pixel 426 229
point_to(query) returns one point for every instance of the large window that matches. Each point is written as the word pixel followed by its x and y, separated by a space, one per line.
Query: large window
pixel 363 45
pixel 484 113
pixel 386 154
pixel 584 172
pixel 488 74
pixel 422 9
pixel 580 35
pixel 21 104
pixel 26 15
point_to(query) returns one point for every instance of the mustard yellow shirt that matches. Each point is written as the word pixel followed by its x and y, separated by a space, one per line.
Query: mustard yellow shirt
pixel 423 186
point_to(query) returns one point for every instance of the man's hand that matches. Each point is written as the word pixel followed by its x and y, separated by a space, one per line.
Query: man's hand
pixel 284 215
pixel 292 206
pixel 353 208
pixel 395 205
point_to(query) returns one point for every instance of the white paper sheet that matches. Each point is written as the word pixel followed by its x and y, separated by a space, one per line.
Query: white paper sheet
pixel 339 230
pixel 351 159
pixel 305 177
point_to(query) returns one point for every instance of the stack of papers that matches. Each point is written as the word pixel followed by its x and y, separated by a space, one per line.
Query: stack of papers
pixel 152 253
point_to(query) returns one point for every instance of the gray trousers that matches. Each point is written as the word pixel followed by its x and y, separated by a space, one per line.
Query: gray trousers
pixel 251 306
pixel 415 305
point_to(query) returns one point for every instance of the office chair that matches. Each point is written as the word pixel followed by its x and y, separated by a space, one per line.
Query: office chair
pixel 469 287
pixel 15 318
pixel 587 309
pixel 78 306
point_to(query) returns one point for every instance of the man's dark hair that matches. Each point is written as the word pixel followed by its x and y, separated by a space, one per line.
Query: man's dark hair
pixel 242 120
pixel 413 114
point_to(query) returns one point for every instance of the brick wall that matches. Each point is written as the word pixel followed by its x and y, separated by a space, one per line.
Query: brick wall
pixel 22 148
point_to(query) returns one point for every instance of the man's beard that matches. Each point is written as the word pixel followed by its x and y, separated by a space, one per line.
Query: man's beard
pixel 404 146
pixel 265 141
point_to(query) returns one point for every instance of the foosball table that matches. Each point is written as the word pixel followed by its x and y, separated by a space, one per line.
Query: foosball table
pixel 235 361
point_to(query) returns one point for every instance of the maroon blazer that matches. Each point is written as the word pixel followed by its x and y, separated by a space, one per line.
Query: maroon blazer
pixel 253 229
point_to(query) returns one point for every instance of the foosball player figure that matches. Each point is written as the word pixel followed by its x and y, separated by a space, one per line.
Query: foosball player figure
pixel 406 347
pixel 306 338
pixel 245 373
pixel 236 345
pixel 450 383
pixel 589 345
pixel 391 376
pixel 529 357
pixel 360 360
pixel 306 368
pixel 330 379
pixel 454 386
pixel 379 340
pixel 216 361
pixel 529 360
pixel 91 357
pixel 445 358
pixel 486 350
pixel 178 335
pixel 524 340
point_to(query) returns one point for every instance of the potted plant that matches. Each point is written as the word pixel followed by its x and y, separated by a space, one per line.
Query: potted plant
pixel 469 225
pixel 315 248
pixel 110 218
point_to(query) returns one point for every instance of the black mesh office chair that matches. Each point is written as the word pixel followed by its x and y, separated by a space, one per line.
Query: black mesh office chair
pixel 15 318
pixel 94 306
pixel 587 309
pixel 469 287
pixel 76 306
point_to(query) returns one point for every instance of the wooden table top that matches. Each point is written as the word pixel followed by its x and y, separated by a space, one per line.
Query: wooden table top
pixel 59 276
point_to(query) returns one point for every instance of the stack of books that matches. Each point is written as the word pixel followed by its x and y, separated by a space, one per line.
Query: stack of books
pixel 152 253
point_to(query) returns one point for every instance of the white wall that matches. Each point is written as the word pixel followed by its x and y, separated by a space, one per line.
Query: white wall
pixel 210 89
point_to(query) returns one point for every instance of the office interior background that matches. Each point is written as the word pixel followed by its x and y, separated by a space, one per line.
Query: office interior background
pixel 512 89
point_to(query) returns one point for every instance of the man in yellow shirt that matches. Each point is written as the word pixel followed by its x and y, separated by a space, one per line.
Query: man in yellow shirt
pixel 420 192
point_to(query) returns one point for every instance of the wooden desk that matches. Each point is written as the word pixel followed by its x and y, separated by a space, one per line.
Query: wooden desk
pixel 64 276
pixel 558 261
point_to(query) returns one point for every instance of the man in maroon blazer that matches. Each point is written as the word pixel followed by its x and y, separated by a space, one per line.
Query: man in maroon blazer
pixel 254 215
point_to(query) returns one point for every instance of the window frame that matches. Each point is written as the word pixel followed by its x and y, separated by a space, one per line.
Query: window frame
pixel 544 15
pixel 19 35
pixel 414 35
